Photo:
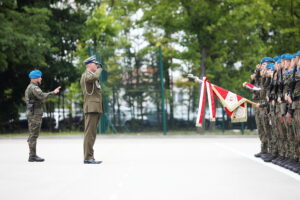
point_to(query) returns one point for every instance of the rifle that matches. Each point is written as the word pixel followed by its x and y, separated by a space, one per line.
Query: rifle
pixel 292 84
pixel 281 85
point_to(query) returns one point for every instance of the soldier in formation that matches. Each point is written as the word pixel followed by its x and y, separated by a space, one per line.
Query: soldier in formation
pixel 277 91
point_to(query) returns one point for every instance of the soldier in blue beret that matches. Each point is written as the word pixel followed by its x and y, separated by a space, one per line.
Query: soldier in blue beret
pixel 34 98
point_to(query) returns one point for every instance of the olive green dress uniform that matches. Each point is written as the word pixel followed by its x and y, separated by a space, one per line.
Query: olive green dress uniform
pixel 92 108
pixel 34 97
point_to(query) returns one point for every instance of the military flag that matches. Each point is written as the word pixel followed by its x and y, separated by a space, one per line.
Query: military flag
pixel 234 105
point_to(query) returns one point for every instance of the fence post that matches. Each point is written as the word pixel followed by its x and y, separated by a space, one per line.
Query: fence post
pixel 223 120
pixel 161 68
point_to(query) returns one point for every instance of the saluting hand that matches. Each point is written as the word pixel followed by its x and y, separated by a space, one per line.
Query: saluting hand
pixel 56 90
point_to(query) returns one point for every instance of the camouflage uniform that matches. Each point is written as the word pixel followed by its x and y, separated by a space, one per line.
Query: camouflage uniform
pixel 289 135
pixel 293 91
pixel 296 108
pixel 34 97
pixel 256 97
pixel 263 113
pixel 280 110
pixel 272 94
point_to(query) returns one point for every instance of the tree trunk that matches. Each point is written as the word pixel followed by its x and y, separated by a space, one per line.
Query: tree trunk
pixel 203 58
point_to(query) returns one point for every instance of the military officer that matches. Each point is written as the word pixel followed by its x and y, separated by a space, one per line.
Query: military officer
pixel 92 106
pixel 34 97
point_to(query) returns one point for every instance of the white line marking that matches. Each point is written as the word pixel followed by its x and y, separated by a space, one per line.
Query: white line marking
pixel 270 165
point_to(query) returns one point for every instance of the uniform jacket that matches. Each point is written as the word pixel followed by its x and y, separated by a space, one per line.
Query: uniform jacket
pixel 91 89
pixel 34 97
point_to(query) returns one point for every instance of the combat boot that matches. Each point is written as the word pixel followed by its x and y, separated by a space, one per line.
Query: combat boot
pixel 266 156
pixel 292 165
pixel 276 160
pixel 282 161
pixel 270 158
pixel 296 167
pixel 35 159
pixel 287 163
pixel 258 155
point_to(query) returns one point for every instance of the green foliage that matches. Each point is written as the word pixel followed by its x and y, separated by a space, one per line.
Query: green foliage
pixel 221 39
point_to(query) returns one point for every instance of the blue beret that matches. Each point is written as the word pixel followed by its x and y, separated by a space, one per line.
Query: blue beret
pixel 276 58
pixel 297 54
pixel 35 74
pixel 279 61
pixel 266 59
pixel 89 60
pixel 288 57
pixel 270 66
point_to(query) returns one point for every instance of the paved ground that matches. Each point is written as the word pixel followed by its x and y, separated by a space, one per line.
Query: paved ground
pixel 144 168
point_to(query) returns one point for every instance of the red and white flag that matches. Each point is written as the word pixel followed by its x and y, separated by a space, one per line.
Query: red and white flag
pixel 202 100
pixel 228 99
pixel 211 101
pixel 234 105
pixel 251 87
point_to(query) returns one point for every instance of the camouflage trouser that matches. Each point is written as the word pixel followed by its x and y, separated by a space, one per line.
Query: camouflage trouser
pixel 267 129
pixel 290 139
pixel 274 143
pixel 281 130
pixel 34 126
pixel 261 130
pixel 284 131
pixel 296 128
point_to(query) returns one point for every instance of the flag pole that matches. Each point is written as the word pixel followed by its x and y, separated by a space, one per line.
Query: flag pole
pixel 253 103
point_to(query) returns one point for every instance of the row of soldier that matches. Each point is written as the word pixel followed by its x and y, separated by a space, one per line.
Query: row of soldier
pixel 277 92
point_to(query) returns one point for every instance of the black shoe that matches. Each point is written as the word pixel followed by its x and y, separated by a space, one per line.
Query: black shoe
pixel 282 162
pixel 265 155
pixel 35 159
pixel 287 164
pixel 276 160
pixel 258 155
pixel 92 161
pixel 270 158
pixel 295 168
pixel 298 172
pixel 293 165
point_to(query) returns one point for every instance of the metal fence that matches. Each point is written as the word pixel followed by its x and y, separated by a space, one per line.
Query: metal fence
pixel 139 103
